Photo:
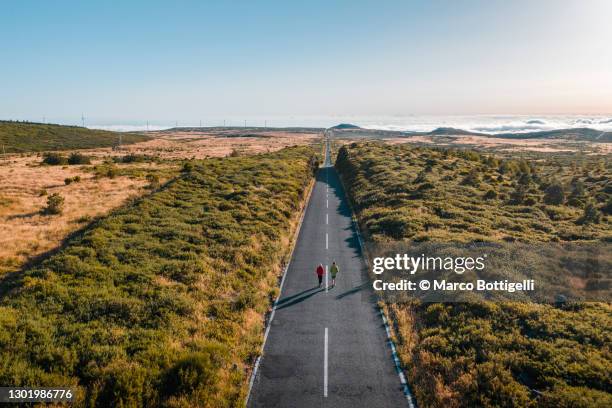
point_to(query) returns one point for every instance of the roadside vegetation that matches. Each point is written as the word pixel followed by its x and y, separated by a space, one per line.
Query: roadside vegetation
pixel 161 303
pixel 96 181
pixel 485 353
pixel 21 137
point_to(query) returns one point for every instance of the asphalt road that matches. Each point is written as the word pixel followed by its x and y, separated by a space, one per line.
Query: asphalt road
pixel 327 347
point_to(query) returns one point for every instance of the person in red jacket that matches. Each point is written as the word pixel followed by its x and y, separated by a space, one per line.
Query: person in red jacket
pixel 320 273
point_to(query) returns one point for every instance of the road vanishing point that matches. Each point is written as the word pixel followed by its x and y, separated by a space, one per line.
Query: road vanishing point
pixel 327 346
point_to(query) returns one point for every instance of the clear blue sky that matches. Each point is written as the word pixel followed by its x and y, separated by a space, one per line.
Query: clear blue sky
pixel 186 59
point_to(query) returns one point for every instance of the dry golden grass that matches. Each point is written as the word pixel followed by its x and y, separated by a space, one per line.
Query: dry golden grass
pixel 184 144
pixel 25 232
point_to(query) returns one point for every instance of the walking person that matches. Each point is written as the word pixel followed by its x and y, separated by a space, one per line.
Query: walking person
pixel 320 273
pixel 334 271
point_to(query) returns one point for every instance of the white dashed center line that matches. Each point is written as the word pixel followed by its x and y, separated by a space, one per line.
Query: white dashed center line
pixel 325 366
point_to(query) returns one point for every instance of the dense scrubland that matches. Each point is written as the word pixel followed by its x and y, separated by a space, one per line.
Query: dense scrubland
pixel 161 302
pixel 484 353
pixel 19 137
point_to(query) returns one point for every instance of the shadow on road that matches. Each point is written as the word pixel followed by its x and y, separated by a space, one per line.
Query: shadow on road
pixel 309 293
pixel 352 291
pixel 288 298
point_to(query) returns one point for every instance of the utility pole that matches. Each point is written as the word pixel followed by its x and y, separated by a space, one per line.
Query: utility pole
pixel 147 125
pixel 200 122
pixel 3 152
pixel 265 124
pixel 176 124
pixel 223 122
pixel 82 120
pixel 245 123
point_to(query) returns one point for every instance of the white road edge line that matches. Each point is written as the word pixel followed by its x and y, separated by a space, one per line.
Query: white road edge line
pixel 280 290
pixel 396 360
pixel 326 240
pixel 326 218
pixel 325 366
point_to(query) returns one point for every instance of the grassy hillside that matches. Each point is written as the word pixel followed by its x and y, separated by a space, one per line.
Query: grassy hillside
pixel 161 303
pixel 20 137
pixel 489 354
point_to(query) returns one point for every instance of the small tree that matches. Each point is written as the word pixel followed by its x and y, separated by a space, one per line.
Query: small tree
pixel 524 179
pixel 554 194
pixel 490 195
pixel 54 159
pixel 78 158
pixel 55 204
pixel 518 195
pixel 591 215
pixel 153 180
pixel 578 190
pixel 607 208
pixel 187 167
pixel 472 178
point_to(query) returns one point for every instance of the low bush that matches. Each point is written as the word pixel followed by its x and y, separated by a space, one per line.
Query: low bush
pixel 54 159
pixel 55 205
pixel 78 158
pixel 70 180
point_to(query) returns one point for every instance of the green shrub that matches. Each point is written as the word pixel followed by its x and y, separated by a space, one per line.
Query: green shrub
pixel 78 158
pixel 607 208
pixel 591 215
pixel 197 371
pixel 490 195
pixel 187 167
pixel 153 180
pixel 554 194
pixel 55 204
pixel 134 158
pixel 54 159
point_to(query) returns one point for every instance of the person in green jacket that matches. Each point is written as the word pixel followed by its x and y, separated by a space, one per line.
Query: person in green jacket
pixel 334 271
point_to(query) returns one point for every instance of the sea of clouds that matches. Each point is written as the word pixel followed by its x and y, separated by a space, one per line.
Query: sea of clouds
pixel 492 124
pixel 480 123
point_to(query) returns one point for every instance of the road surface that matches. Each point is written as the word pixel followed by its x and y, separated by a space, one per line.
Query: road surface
pixel 327 347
